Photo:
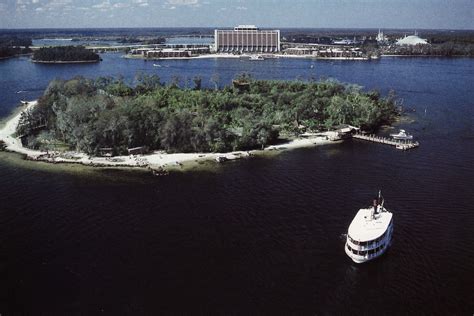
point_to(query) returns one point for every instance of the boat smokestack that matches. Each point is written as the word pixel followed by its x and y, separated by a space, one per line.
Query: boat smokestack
pixel 381 200
pixel 374 211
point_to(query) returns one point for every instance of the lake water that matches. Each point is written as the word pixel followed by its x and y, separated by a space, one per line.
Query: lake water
pixel 69 42
pixel 263 235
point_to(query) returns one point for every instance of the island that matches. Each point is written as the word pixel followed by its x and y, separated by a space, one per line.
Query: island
pixel 65 54
pixel 11 46
pixel 107 122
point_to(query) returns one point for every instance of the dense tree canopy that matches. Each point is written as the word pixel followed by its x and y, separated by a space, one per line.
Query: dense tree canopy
pixel 65 53
pixel 12 45
pixel 91 114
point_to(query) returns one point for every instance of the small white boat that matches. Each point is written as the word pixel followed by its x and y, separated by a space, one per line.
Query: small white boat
pixel 156 65
pixel 256 57
pixel 221 159
pixel 370 232
pixel 402 135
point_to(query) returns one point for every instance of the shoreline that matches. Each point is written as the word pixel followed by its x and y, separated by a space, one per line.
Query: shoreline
pixel 428 56
pixel 158 162
pixel 245 57
pixel 277 56
pixel 14 56
pixel 65 62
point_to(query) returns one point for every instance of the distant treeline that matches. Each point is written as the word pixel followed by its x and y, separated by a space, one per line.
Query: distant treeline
pixel 11 46
pixel 65 53
pixel 145 41
pixel 88 115
pixel 106 33
pixel 446 49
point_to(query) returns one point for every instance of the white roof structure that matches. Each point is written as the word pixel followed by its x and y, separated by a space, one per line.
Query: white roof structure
pixel 412 40
pixel 245 27
pixel 364 227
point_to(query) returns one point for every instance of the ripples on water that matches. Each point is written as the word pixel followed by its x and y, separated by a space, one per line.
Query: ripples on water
pixel 261 235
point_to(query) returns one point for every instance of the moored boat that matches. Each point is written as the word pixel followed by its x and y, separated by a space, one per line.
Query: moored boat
pixel 402 135
pixel 221 159
pixel 256 57
pixel 370 232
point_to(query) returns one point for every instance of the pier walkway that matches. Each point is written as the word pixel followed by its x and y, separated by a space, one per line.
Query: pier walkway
pixel 399 144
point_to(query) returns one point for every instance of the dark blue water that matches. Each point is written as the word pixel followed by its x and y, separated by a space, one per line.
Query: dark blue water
pixel 256 236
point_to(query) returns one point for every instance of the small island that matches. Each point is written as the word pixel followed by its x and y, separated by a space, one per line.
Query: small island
pixel 64 54
pixel 105 122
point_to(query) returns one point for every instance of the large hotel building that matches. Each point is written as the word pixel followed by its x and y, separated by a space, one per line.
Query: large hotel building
pixel 247 38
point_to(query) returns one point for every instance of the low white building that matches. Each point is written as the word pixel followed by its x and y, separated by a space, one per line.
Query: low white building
pixel 412 40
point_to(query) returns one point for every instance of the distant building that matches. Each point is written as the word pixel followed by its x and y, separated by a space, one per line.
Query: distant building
pixel 247 39
pixel 381 38
pixel 325 51
pixel 412 40
pixel 169 52
pixel 346 42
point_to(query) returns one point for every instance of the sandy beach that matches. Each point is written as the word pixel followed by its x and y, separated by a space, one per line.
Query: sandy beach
pixel 8 130
pixel 155 161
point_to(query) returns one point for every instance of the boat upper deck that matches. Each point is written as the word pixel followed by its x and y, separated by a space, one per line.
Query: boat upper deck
pixel 364 228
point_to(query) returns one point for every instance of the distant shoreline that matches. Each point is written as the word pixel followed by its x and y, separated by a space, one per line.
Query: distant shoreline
pixel 245 57
pixel 277 56
pixel 442 56
pixel 16 55
pixel 65 62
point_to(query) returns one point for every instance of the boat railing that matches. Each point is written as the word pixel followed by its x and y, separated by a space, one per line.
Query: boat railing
pixel 370 246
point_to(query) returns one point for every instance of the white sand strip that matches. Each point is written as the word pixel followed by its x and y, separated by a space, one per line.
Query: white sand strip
pixel 7 134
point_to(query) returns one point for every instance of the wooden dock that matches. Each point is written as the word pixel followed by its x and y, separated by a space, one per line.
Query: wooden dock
pixel 398 144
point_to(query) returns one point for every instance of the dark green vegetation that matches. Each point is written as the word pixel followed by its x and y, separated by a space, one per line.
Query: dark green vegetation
pixel 451 48
pixel 88 115
pixel 141 40
pixel 64 54
pixel 12 46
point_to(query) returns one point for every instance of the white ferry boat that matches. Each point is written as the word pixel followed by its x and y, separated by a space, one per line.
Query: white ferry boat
pixel 402 135
pixel 370 233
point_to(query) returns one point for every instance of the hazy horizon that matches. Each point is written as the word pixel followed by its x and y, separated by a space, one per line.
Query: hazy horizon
pixel 322 14
pixel 232 26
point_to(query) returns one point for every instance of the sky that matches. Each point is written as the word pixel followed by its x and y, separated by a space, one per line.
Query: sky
pixel 406 14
